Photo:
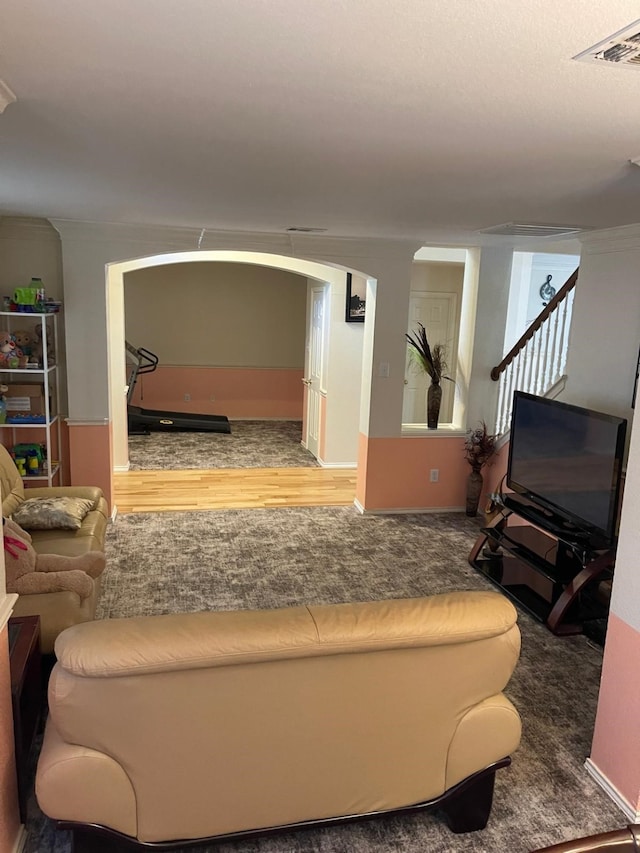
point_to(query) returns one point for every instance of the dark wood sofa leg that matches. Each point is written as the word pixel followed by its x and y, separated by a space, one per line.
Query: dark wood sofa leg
pixel 468 810
pixel 93 841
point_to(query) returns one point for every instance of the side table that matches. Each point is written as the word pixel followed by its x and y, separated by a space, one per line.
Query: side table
pixel 26 695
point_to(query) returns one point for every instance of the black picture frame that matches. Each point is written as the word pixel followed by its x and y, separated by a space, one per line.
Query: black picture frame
pixel 356 300
pixel 635 383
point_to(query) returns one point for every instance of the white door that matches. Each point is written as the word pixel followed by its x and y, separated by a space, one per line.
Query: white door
pixel 438 314
pixel 313 378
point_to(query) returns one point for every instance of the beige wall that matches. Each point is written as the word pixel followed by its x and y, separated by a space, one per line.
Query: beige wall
pixel 217 314
pixel 437 277
pixel 30 248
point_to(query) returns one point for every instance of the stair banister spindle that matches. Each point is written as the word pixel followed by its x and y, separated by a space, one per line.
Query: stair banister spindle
pixel 500 407
pixel 509 401
pixel 563 339
pixel 546 367
pixel 553 377
pixel 537 378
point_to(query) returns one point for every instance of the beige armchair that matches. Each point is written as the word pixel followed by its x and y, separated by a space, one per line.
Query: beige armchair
pixel 57 610
pixel 202 725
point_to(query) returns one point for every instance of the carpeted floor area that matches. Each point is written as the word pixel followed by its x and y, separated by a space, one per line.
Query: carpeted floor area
pixel 161 563
pixel 251 444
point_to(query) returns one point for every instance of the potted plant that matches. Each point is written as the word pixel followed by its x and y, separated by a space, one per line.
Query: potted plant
pixel 431 360
pixel 479 447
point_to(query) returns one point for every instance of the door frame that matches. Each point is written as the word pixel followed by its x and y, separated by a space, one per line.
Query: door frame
pixel 314 371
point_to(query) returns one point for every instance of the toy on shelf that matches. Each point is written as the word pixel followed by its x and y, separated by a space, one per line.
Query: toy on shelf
pixel 18 418
pixel 37 352
pixel 10 355
pixel 31 300
pixel 24 340
pixel 26 297
pixel 33 457
pixel 7 346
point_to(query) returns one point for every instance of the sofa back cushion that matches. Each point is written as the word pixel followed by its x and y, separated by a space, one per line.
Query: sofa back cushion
pixel 10 483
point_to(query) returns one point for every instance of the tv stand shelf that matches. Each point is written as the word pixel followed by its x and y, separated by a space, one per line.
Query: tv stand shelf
pixel 547 568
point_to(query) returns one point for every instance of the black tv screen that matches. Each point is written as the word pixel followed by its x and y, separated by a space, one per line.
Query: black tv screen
pixel 568 460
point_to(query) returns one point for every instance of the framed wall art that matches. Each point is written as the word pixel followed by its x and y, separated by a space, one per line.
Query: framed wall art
pixel 356 299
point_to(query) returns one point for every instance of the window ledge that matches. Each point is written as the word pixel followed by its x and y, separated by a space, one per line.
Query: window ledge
pixel 422 431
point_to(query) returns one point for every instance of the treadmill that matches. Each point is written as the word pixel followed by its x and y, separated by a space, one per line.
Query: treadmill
pixel 145 421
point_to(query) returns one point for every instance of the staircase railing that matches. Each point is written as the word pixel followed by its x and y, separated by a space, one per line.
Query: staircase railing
pixel 538 360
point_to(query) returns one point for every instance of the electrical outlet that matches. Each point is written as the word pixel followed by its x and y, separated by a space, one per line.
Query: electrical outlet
pixel 187 398
pixel 434 475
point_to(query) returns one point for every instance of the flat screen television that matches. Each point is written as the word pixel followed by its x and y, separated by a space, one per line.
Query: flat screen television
pixel 567 461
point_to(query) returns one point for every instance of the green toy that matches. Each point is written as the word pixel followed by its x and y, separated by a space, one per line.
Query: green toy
pixel 26 450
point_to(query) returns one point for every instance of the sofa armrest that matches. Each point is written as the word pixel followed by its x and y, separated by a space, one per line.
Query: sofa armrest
pixel 57 611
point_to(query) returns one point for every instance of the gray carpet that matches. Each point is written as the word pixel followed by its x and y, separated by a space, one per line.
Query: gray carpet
pixel 162 563
pixel 251 444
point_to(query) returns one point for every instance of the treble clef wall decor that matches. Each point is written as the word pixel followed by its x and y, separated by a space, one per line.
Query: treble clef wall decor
pixel 547 291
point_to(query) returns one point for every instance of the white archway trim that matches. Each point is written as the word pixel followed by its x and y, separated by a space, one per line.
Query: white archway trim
pixel 331 274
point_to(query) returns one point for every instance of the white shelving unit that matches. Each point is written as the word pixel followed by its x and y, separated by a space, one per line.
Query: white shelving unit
pixel 46 374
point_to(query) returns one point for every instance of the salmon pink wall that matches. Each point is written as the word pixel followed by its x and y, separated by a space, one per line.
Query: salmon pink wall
pixel 90 457
pixel 400 472
pixel 9 820
pixel 396 475
pixel 238 392
pixel 615 751
pixel 496 470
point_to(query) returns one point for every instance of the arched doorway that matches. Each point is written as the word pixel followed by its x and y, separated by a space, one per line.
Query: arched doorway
pixel 337 428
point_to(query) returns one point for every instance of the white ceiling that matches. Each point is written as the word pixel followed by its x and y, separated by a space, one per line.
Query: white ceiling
pixel 425 119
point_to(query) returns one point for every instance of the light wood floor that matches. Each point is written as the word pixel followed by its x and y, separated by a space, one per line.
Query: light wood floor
pixel 233 488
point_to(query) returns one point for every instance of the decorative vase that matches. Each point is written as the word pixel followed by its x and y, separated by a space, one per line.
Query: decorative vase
pixel 475 482
pixel 434 398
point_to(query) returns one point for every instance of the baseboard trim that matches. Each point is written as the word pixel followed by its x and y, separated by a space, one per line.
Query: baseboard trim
pixel 114 514
pixel 20 841
pixel 612 792
pixel 350 465
pixel 121 469
pixel 429 510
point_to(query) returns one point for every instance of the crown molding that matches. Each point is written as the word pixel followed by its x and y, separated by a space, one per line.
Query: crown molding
pixel 625 238
pixel 6 96
pixel 168 237
pixel 27 228
pixel 165 238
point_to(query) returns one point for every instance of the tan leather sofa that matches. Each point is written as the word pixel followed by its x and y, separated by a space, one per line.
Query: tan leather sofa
pixel 201 725
pixel 57 610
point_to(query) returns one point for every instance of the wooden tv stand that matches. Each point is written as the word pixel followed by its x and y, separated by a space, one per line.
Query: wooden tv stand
pixel 548 569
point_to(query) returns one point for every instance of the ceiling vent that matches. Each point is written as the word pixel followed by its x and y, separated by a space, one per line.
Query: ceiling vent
pixel 303 229
pixel 621 49
pixel 514 229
